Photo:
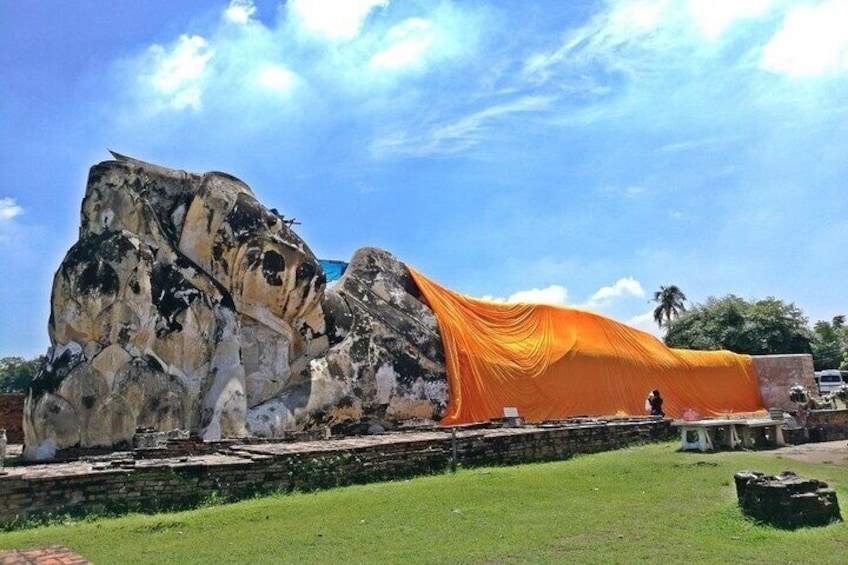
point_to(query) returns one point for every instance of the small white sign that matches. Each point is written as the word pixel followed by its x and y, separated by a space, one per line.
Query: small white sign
pixel 510 412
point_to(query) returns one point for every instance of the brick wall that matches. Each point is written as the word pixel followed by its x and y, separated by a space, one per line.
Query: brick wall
pixel 122 484
pixel 12 416
pixel 827 425
pixel 777 373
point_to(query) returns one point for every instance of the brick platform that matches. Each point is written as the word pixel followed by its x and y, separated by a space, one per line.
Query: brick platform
pixel 123 482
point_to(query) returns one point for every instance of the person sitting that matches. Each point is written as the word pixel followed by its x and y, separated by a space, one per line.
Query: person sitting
pixel 655 402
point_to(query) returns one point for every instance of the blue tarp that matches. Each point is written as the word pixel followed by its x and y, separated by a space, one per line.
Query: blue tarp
pixel 333 270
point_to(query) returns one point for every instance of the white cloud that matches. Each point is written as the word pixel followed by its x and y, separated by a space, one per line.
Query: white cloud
pixel 337 20
pixel 713 17
pixel 408 43
pixel 812 41
pixel 553 294
pixel 9 209
pixel 455 136
pixel 557 294
pixel 621 288
pixel 276 78
pixel 176 74
pixel 229 68
pixel 646 323
pixel 707 142
pixel 624 37
pixel 629 192
pixel 650 37
pixel 240 11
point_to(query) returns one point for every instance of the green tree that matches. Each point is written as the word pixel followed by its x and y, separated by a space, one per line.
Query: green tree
pixel 830 343
pixel 670 304
pixel 761 327
pixel 16 373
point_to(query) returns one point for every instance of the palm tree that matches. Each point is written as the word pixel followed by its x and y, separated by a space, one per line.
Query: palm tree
pixel 670 304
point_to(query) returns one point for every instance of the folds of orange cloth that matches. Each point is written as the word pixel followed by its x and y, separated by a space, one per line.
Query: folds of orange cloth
pixel 552 362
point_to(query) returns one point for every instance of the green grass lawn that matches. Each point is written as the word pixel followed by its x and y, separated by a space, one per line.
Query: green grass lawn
pixel 644 504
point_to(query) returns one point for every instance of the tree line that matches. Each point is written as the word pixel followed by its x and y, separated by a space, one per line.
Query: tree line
pixel 16 373
pixel 756 327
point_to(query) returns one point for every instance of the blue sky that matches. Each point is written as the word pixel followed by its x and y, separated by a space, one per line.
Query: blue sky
pixel 581 153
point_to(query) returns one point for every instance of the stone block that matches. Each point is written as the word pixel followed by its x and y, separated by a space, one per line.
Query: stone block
pixel 786 500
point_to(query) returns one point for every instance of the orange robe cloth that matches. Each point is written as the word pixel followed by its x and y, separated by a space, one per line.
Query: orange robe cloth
pixel 552 362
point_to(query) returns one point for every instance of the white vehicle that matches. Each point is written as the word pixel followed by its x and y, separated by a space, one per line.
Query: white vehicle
pixel 829 380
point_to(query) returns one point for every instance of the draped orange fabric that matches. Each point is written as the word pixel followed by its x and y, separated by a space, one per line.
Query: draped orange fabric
pixel 551 362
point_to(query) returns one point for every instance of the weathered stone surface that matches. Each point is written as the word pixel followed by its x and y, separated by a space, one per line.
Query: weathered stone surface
pixel 186 304
pixel 778 373
pixel 786 500
pixel 384 361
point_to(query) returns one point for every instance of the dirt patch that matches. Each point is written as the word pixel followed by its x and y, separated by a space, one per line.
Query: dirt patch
pixel 53 555
pixel 834 452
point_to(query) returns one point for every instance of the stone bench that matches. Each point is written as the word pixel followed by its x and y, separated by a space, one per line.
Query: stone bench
pixel 705 433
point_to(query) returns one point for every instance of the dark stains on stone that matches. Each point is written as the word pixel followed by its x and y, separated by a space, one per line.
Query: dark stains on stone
pixel 210 215
pixel 218 249
pixel 173 214
pixel 272 265
pixel 172 294
pixel 253 258
pixel 206 416
pixel 98 171
pixel 97 277
pixel 305 272
pixel 52 373
pixel 227 301
pixel 308 332
pixel 248 217
pixel 154 404
pixel 226 176
pixel 305 292
pixel 338 317
pixel 346 402
pixel 153 364
pixel 188 265
pixel 360 347
pixel 124 335
pixel 311 276
pixel 135 286
pixel 183 262
pixel 88 401
pixel 115 248
pixel 408 368
pixel 95 254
